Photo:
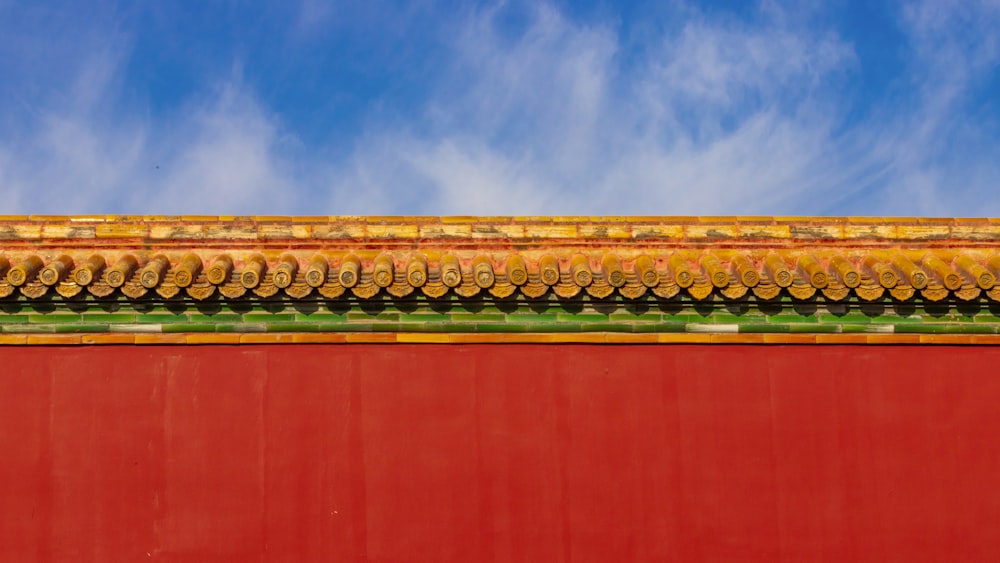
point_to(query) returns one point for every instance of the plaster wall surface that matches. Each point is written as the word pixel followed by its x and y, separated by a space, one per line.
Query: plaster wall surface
pixel 499 453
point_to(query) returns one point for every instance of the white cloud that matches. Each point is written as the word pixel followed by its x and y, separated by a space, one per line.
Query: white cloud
pixel 75 153
pixel 498 184
pixel 719 118
pixel 713 67
pixel 219 153
pixel 224 156
pixel 943 150
pixel 707 115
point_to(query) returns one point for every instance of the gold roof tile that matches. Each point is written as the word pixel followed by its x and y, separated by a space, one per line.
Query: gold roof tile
pixel 933 258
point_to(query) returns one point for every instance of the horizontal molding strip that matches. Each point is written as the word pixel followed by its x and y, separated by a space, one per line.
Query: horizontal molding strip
pixel 611 338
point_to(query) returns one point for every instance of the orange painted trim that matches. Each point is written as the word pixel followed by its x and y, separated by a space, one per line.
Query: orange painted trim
pixel 197 338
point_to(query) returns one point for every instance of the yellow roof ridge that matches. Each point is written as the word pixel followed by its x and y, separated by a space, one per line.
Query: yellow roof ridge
pixel 535 230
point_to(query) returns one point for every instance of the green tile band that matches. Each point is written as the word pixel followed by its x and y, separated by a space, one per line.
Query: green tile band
pixel 546 314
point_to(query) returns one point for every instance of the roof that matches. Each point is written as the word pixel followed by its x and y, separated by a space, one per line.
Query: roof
pixel 67 262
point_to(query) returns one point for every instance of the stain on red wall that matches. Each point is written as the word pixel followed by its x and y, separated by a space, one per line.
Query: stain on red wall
pixel 499 453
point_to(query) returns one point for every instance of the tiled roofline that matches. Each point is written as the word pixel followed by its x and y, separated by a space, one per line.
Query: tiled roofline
pixel 330 257
pixel 211 279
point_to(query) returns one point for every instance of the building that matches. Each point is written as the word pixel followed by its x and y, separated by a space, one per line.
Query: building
pixel 504 389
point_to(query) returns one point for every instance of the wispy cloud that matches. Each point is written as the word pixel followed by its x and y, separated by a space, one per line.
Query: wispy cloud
pixel 718 117
pixel 706 114
pixel 75 151
pixel 224 152
pixel 943 147
pixel 221 152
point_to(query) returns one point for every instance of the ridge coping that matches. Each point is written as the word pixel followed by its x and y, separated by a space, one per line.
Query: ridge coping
pixel 200 229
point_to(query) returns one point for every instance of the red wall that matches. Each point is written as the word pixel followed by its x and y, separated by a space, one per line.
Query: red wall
pixel 499 453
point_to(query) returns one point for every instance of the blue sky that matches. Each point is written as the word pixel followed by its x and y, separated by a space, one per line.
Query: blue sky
pixel 670 107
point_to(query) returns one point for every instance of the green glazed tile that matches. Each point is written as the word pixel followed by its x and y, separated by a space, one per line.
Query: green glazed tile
pixel 723 318
pixel 969 328
pixel 478 317
pixel 345 327
pixel 852 328
pixel 664 326
pixel 897 320
pixel 165 318
pixel 791 318
pixel 581 318
pixel 947 328
pixel 817 328
pixel 626 317
pixel 852 318
pixel 764 328
pixel 54 318
pixel 362 316
pixel 27 328
pixel 291 327
pixel 320 317
pixel 188 327
pixel 240 327
pixel 217 318
pixel 501 327
pixel 424 317
pixel 527 316
pixel 82 327
pixel 127 318
pixel 606 327
pixel 556 327
pixel 268 317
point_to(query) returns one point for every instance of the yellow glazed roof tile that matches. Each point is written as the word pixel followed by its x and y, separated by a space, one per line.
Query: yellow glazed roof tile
pixel 626 256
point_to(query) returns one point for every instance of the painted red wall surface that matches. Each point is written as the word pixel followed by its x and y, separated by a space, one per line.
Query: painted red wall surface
pixel 499 453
